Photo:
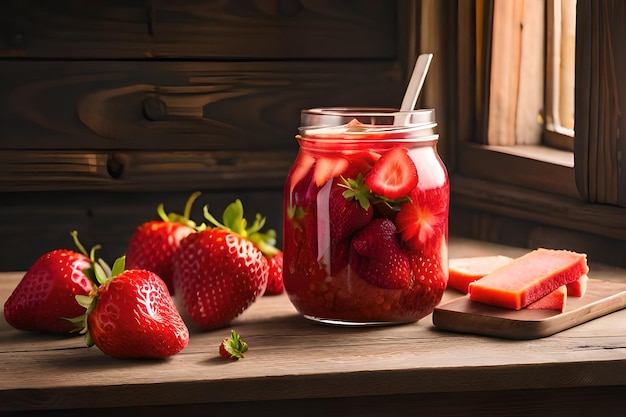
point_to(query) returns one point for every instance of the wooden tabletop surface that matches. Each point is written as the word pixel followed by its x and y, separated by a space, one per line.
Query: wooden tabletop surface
pixel 294 364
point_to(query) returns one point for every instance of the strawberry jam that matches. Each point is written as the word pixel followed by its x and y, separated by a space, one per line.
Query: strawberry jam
pixel 365 233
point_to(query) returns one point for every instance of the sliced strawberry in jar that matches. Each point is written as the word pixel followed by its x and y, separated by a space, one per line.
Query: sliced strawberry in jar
pixel 424 217
pixel 394 175
pixel 362 161
pixel 327 167
pixel 303 164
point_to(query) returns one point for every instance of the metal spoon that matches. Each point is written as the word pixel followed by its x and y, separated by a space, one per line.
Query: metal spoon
pixel 414 88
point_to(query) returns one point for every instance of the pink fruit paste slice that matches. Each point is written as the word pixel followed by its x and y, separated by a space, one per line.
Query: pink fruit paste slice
pixel 529 278
pixel 556 300
pixel 578 287
pixel 463 271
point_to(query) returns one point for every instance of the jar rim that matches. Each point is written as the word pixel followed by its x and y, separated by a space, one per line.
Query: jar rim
pixel 361 111
pixel 365 120
pixel 368 123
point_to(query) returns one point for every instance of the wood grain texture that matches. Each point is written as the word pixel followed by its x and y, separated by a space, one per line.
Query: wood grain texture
pixel 86 146
pixel 155 29
pixel 297 363
pixel 178 105
pixel 34 223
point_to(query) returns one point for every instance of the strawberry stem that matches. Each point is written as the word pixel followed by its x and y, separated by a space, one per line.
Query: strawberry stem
pixel 118 266
pixel 180 218
pixel 99 270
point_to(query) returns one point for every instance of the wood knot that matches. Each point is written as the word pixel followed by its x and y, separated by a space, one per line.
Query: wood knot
pixel 154 109
pixel 115 165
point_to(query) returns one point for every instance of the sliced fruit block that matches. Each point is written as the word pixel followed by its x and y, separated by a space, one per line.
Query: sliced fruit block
pixel 529 278
pixel 463 271
pixel 556 300
pixel 578 287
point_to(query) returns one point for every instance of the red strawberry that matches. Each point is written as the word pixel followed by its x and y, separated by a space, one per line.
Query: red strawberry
pixel 429 281
pixel 381 260
pixel 132 315
pixel 222 270
pixel 393 176
pixel 349 208
pixel 233 347
pixel 275 276
pixel 45 297
pixel 152 244
pixel 423 218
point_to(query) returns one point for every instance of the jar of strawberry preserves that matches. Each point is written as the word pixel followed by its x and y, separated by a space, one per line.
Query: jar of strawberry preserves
pixel 365 232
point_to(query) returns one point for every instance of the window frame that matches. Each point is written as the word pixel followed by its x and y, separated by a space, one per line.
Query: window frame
pixel 555 134
pixel 503 181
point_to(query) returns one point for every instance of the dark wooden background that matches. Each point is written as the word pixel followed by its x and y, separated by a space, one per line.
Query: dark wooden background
pixel 109 107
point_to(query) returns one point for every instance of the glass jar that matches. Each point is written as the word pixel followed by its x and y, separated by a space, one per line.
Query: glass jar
pixel 365 232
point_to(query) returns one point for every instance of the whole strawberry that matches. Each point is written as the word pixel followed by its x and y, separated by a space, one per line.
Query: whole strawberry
pixel 233 347
pixel 45 297
pixel 275 284
pixel 379 258
pixel 132 315
pixel 221 271
pixel 349 207
pixel 152 244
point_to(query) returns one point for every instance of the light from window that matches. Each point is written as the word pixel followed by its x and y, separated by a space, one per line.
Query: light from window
pixel 560 71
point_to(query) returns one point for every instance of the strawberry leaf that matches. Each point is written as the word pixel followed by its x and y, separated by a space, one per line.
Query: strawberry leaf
pixel 234 221
pixel 83 301
pixel 235 345
pixel 118 266
pixel 233 217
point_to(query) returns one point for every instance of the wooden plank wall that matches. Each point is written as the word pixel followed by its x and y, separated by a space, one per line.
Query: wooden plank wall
pixel 108 108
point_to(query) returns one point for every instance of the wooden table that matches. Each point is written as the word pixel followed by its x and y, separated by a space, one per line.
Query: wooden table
pixel 305 369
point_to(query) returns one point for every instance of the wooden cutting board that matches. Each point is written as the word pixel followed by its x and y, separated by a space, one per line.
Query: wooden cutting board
pixel 466 316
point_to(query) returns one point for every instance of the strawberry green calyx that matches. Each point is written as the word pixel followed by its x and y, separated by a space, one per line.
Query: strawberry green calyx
pixel 233 220
pixel 356 189
pixel 99 270
pixel 181 218
pixel 98 273
pixel 233 347
pixel 90 301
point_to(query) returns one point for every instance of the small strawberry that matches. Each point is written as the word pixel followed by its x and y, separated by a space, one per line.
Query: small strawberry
pixel 131 314
pixel 222 270
pixel 380 259
pixel 393 176
pixel 152 244
pixel 233 347
pixel 45 297
pixel 275 276
pixel 424 218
